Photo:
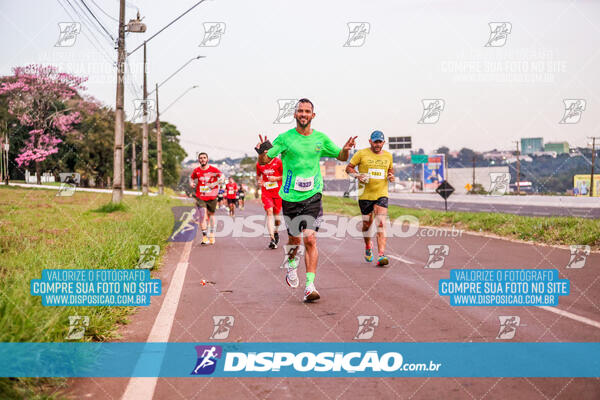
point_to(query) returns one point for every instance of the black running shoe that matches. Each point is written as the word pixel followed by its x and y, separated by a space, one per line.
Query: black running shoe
pixel 272 245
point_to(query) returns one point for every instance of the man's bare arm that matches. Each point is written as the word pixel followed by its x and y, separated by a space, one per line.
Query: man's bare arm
pixel 351 171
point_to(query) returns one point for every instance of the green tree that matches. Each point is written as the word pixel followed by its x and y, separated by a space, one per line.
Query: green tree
pixel 172 156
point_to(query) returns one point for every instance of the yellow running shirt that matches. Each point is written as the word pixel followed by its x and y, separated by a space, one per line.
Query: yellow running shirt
pixel 377 167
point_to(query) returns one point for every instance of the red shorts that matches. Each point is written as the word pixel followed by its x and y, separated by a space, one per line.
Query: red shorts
pixel 271 201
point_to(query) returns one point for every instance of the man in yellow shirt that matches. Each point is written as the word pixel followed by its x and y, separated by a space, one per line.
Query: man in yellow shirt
pixel 375 169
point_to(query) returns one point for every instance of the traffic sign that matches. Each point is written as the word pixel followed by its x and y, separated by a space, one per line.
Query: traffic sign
pixel 445 190
pixel 468 186
pixel 400 142
pixel 419 158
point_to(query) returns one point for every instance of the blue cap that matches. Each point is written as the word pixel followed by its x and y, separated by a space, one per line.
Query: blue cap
pixel 377 136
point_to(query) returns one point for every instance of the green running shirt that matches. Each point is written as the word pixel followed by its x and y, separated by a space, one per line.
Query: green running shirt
pixel 301 169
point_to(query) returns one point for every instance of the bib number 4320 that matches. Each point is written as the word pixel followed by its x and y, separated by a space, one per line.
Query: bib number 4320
pixel 304 184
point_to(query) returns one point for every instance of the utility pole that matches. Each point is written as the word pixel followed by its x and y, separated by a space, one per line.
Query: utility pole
pixel 117 194
pixel 145 134
pixel 474 157
pixel 4 147
pixel 593 161
pixel 518 169
pixel 133 164
pixel 161 187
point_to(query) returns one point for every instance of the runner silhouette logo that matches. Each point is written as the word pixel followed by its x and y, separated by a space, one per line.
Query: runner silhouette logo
pixel 207 359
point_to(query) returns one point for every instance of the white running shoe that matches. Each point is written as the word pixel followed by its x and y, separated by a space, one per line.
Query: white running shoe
pixel 291 277
pixel 311 294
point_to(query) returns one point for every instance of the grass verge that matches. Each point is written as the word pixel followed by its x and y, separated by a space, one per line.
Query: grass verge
pixel 547 230
pixel 39 230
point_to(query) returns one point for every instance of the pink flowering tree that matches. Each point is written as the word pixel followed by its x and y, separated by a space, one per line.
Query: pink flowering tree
pixel 39 97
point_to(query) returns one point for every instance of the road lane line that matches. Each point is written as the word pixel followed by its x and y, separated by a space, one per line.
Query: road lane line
pixel 574 317
pixel 140 388
pixel 403 259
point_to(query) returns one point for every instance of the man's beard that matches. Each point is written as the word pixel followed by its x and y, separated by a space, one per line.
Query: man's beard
pixel 301 124
pixel 203 164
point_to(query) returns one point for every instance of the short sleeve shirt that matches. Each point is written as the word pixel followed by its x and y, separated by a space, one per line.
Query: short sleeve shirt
pixel 300 156
pixel 231 190
pixel 207 187
pixel 275 169
pixel 377 167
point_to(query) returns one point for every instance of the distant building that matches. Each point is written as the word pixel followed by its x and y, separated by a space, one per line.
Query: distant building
pixel 558 147
pixel 460 177
pixel 332 169
pixel 497 155
pixel 532 145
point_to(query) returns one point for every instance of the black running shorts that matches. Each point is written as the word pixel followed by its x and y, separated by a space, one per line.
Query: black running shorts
pixel 367 206
pixel 210 205
pixel 301 215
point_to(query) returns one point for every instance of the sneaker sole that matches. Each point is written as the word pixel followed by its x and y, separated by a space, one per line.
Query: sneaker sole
pixel 289 284
pixel 383 263
pixel 314 296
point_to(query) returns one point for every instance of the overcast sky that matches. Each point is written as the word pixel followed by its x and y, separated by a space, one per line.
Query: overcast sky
pixel 270 50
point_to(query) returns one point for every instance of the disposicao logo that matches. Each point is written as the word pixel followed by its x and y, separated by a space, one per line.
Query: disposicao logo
pixel 307 361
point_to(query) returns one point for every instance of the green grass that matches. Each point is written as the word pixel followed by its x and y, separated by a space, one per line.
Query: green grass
pixel 111 207
pixel 39 230
pixel 548 230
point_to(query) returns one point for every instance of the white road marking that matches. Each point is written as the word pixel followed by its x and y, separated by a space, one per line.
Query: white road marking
pixel 403 259
pixel 574 317
pixel 143 388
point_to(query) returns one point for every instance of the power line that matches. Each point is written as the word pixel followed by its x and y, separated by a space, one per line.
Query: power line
pixel 97 20
pixel 99 49
pixel 85 22
pixel 85 19
pixel 166 26
pixel 130 74
pixel 104 12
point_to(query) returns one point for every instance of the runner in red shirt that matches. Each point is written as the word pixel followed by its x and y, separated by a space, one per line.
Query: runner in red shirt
pixel 230 194
pixel 207 190
pixel 269 178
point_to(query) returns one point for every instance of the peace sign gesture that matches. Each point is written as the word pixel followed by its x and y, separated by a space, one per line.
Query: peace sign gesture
pixel 262 140
pixel 350 143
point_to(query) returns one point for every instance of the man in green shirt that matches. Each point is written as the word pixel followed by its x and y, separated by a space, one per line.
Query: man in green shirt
pixel 301 150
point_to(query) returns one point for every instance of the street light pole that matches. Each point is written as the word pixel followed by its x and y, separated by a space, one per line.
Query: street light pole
pixel 593 161
pixel 145 133
pixel 133 163
pixel 180 96
pixel 518 169
pixel 117 194
pixel 175 73
pixel 161 187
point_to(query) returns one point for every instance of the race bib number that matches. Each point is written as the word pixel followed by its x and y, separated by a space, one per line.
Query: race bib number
pixel 304 184
pixel 230 192
pixel 205 189
pixel 376 173
pixel 270 185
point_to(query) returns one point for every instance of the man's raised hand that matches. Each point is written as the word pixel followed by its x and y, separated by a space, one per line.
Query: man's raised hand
pixel 262 140
pixel 350 143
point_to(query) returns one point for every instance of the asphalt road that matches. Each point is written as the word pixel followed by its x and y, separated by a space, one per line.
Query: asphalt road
pixel 249 285
pixel 529 210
